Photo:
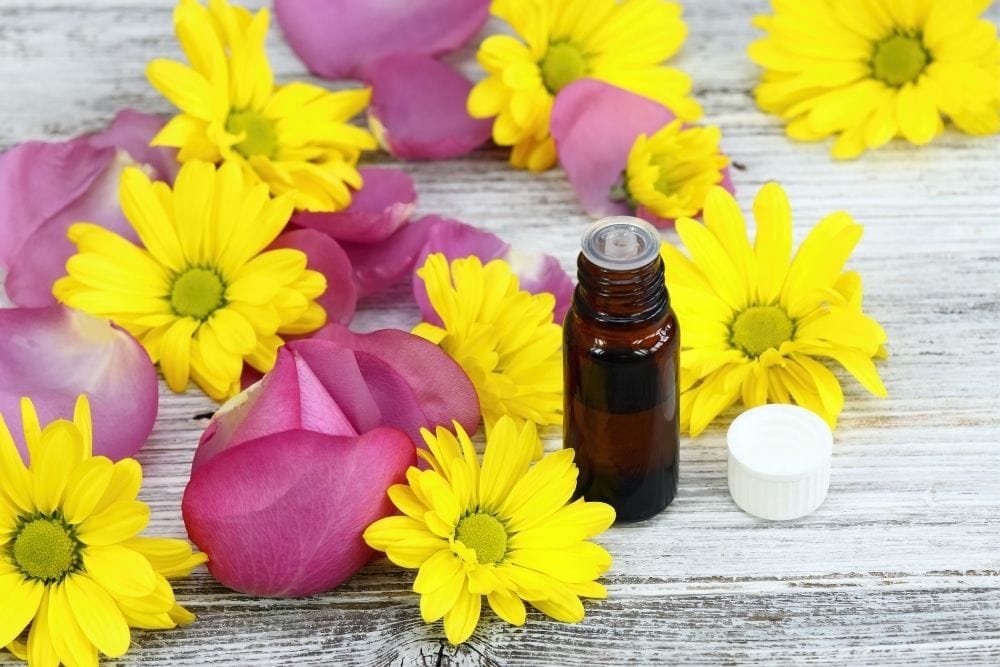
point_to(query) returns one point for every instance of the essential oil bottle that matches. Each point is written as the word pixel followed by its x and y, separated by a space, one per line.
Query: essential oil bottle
pixel 621 363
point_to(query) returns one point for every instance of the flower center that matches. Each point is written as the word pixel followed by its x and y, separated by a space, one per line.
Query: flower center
pixel 46 548
pixel 760 328
pixel 485 535
pixel 197 293
pixel 563 63
pixel 899 59
pixel 261 139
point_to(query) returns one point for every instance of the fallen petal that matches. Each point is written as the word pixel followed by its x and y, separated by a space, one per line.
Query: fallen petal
pixel 282 515
pixel 595 125
pixel 325 255
pixel 339 39
pixel 414 382
pixel 377 210
pixel 289 397
pixel 380 265
pixel 46 187
pixel 418 109
pixel 54 354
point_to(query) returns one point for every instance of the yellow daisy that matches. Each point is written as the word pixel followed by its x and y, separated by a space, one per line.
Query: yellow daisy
pixel 754 319
pixel 671 172
pixel 71 564
pixel 504 338
pixel 203 295
pixel 295 138
pixel 871 70
pixel 622 43
pixel 503 530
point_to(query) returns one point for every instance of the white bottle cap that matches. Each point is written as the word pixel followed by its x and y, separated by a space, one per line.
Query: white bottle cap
pixel 779 461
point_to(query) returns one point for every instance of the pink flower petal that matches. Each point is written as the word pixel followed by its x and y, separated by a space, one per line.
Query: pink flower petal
pixel 419 104
pixel 53 354
pixel 282 515
pixel 45 187
pixel 414 383
pixel 289 397
pixel 377 210
pixel 594 125
pixel 326 256
pixel 380 265
pixel 340 38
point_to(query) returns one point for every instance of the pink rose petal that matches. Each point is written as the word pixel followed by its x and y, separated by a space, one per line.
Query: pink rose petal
pixel 326 256
pixel 282 515
pixel 340 38
pixel 53 354
pixel 412 380
pixel 45 187
pixel 377 210
pixel 595 125
pixel 380 265
pixel 289 397
pixel 419 105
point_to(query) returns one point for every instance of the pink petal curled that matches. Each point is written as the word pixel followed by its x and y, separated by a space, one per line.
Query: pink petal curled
pixel 340 38
pixel 326 256
pixel 53 354
pixel 418 108
pixel 595 125
pixel 289 397
pixel 414 382
pixel 380 265
pixel 383 204
pixel 282 515
pixel 45 187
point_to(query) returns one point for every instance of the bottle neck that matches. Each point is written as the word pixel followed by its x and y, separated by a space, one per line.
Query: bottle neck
pixel 633 297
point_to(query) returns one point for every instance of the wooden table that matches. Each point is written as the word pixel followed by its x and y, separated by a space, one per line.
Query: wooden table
pixel 900 565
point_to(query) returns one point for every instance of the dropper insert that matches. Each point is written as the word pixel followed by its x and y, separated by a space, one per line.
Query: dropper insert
pixel 621 243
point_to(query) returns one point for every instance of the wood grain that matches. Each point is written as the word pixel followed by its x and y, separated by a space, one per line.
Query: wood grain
pixel 901 564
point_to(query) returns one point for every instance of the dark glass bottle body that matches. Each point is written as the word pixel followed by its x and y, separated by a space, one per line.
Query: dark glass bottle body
pixel 621 364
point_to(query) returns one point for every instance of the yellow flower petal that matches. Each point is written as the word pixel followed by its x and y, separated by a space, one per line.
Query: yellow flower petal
pixel 69 641
pixel 117 523
pixel 21 600
pixel 98 615
pixel 85 487
pixel 507 606
pixel 120 571
pixel 462 618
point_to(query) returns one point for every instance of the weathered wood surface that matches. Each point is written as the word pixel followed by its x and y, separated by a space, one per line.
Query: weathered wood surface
pixel 900 565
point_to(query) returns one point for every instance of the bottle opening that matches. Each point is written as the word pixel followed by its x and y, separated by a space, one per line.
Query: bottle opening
pixel 621 243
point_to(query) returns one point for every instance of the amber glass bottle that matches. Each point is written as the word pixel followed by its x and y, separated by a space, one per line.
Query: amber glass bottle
pixel 621 358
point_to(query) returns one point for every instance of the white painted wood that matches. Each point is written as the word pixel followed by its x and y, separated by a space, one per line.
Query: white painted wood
pixel 900 565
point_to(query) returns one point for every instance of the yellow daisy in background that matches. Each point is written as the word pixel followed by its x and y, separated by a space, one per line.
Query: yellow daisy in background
pixel 503 530
pixel 623 43
pixel 755 319
pixel 71 564
pixel 295 138
pixel 202 296
pixel 502 337
pixel 871 70
pixel 671 172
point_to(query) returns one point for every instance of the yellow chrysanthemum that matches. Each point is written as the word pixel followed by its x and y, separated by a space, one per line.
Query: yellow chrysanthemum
pixel 871 70
pixel 203 295
pixel 295 138
pixel 503 530
pixel 754 318
pixel 671 172
pixel 622 43
pixel 71 564
pixel 504 338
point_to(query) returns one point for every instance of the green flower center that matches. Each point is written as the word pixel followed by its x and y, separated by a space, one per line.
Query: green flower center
pixel 261 138
pixel 197 293
pixel 760 328
pixel 562 64
pixel 485 535
pixel 46 548
pixel 899 59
